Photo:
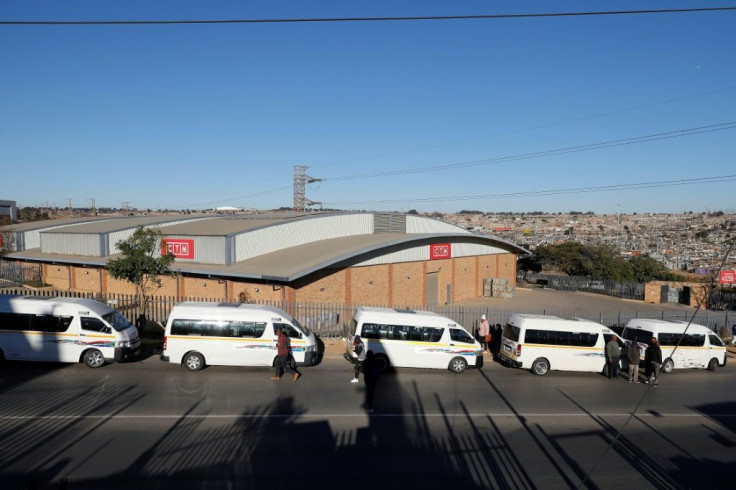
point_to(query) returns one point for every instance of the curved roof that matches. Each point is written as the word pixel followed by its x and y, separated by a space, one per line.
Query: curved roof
pixel 286 247
pixel 296 262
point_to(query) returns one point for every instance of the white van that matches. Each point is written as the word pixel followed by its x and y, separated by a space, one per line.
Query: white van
pixel 700 346
pixel 409 338
pixel 232 334
pixel 543 342
pixel 34 328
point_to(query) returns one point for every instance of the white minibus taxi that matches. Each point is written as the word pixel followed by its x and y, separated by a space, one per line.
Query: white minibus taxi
pixel 543 342
pixel 232 334
pixel 409 338
pixel 34 328
pixel 700 347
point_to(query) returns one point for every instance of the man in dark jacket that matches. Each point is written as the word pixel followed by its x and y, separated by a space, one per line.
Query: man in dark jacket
pixel 613 357
pixel 653 361
pixel 283 349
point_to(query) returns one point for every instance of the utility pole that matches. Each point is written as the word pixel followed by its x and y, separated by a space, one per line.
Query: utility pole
pixel 300 180
pixel 71 210
pixel 92 200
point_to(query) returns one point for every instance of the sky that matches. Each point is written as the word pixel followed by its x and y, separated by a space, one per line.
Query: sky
pixel 551 114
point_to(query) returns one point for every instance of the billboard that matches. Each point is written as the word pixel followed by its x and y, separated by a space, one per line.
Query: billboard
pixel 440 251
pixel 727 277
pixel 182 248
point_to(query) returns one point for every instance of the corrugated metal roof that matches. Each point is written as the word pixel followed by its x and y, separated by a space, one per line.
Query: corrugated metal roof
pixel 123 223
pixel 218 226
pixel 51 223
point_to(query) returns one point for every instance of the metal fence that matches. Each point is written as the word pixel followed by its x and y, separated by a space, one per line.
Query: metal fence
pixel 333 320
pixel 626 290
pixel 723 300
pixel 19 273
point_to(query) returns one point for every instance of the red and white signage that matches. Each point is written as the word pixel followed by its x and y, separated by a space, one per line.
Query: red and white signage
pixel 181 248
pixel 440 251
pixel 727 277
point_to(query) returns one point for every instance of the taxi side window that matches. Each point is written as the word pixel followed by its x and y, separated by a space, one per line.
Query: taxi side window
pixel 288 330
pixel 94 325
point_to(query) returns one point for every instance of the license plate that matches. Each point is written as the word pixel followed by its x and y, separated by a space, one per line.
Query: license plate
pixel 507 348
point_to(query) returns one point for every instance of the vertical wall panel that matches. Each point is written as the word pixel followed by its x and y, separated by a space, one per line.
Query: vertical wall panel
pixel 272 238
pixel 420 224
pixel 71 244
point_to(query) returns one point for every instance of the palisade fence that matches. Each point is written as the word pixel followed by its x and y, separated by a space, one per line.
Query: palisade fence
pixel 329 320
pixel 626 290
pixel 19 273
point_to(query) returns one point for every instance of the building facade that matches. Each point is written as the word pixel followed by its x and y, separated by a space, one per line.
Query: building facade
pixel 355 258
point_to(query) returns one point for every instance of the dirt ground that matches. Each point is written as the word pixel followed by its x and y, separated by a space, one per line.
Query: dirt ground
pixel 573 302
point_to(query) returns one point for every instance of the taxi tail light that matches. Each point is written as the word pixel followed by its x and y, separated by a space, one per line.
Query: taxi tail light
pixel 164 342
pixel 518 349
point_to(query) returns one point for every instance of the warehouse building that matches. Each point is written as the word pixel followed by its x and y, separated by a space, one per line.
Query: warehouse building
pixel 8 210
pixel 353 258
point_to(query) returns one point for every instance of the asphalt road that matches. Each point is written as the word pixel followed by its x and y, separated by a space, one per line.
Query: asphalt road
pixel 150 424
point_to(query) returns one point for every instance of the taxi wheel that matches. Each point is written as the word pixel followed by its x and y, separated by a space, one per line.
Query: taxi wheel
pixel 668 366
pixel 458 365
pixel 381 362
pixel 94 358
pixel 540 367
pixel 193 361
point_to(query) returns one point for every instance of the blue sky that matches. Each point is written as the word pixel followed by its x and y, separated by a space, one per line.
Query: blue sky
pixel 201 116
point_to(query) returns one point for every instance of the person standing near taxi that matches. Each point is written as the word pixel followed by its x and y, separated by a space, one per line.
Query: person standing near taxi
pixel 633 355
pixel 613 357
pixel 653 359
pixel 484 332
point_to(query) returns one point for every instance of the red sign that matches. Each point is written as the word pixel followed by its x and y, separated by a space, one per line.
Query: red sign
pixel 181 248
pixel 440 251
pixel 727 277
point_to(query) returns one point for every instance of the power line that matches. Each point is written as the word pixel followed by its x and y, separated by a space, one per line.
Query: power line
pixel 230 199
pixel 532 128
pixel 551 192
pixel 545 153
pixel 364 19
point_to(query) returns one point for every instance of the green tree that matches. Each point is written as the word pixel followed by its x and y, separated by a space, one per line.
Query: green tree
pixel 648 269
pixel 142 264
pixel 577 259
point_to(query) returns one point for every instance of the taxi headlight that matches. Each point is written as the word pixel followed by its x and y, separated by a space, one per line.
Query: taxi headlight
pixel 125 344
pixel 311 348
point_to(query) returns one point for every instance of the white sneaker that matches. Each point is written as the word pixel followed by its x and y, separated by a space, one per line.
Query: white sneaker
pixel 354 380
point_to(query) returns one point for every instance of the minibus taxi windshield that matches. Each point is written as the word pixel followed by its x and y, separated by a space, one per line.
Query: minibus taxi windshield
pixel 304 329
pixel 117 320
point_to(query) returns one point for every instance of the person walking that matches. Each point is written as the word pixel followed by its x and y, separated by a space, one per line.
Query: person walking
pixel 283 348
pixel 733 334
pixel 359 350
pixel 653 359
pixel 613 356
pixel 484 332
pixel 633 354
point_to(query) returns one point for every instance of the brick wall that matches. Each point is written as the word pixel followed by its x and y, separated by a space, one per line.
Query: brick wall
pixel 329 288
pixel 407 280
pixel 464 282
pixel 57 276
pixel 369 285
pixel 389 284
pixel 87 279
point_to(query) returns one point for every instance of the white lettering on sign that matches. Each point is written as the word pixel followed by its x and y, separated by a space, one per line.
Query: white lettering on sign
pixel 440 251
